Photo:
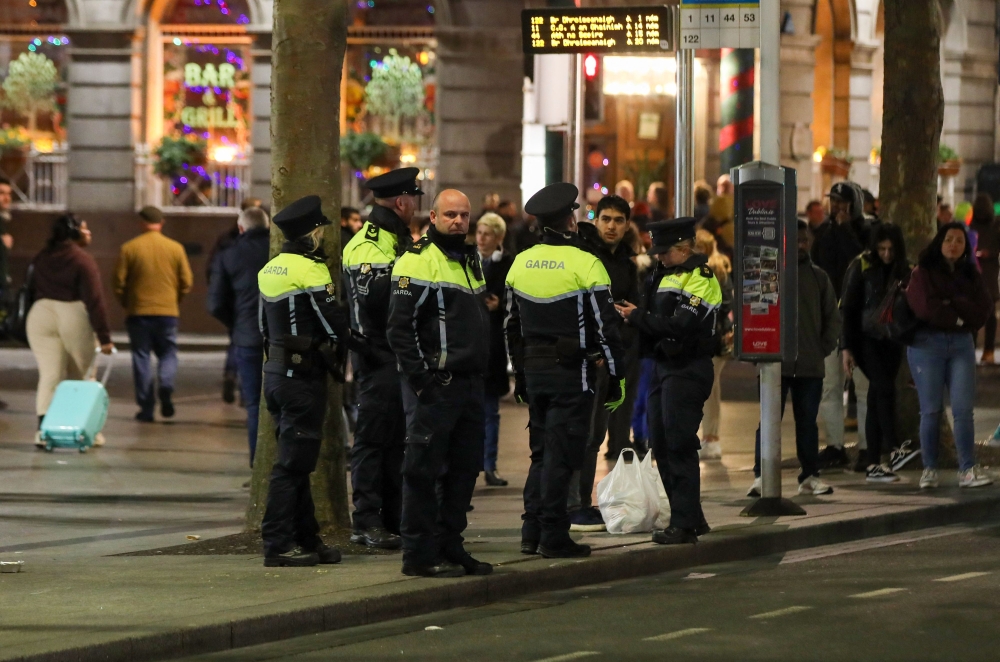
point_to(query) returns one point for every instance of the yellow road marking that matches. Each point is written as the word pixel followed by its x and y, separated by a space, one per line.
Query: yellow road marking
pixel 958 578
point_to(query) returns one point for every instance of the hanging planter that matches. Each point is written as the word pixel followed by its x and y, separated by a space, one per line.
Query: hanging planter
pixel 833 161
pixel 175 155
pixel 949 163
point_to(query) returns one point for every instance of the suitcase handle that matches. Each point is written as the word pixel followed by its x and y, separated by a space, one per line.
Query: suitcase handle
pixel 107 371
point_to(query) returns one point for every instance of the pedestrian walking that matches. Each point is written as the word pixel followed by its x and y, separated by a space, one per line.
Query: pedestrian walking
pixel 867 345
pixel 230 378
pixel 377 456
pixel 987 252
pixel 150 279
pixel 705 244
pixel 844 235
pixel 439 331
pixel 560 324
pixel 299 317
pixel 947 294
pixel 819 330
pixel 68 311
pixel 490 232
pixel 233 300
pixel 606 239
pixel 677 328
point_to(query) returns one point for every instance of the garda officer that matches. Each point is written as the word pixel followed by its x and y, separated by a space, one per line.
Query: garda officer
pixel 561 322
pixel 439 330
pixel 677 328
pixel 299 316
pixel 377 457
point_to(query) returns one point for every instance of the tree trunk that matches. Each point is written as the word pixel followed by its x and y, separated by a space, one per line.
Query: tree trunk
pixel 911 132
pixel 309 42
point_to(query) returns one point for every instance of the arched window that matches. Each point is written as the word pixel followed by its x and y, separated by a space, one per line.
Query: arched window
pixel 33 12
pixel 202 12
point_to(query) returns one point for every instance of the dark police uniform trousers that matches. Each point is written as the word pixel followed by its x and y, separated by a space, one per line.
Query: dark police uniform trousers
pixel 676 399
pixel 297 406
pixel 377 455
pixel 446 427
pixel 559 425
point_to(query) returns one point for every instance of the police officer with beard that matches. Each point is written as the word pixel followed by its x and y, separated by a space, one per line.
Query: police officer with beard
pixel 377 456
pixel 677 328
pixel 299 317
pixel 561 323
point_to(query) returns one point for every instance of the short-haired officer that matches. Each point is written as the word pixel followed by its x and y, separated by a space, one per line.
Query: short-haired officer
pixel 377 456
pixel 677 328
pixel 560 322
pixel 439 330
pixel 299 317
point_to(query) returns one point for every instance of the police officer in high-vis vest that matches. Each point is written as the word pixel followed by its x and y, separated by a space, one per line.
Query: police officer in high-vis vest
pixel 377 456
pixel 299 317
pixel 561 323
pixel 677 328
pixel 439 330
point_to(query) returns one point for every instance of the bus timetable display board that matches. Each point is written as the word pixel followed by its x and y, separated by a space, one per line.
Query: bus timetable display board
pixel 598 30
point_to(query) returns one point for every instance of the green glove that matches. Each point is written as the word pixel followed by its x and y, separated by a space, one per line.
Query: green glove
pixel 616 395
pixel 520 388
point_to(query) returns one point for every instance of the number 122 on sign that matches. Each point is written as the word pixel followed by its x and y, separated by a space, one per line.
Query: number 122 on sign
pixel 710 24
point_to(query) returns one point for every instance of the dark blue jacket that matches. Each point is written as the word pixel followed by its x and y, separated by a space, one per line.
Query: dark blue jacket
pixel 232 289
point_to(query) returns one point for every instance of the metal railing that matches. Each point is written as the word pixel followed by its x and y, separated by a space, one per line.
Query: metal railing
pixel 211 188
pixel 39 180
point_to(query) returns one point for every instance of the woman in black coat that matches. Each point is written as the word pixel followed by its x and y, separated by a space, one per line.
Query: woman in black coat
pixel 490 231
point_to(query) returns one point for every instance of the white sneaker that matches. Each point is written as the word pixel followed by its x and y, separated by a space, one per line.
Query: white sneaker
pixel 815 486
pixel 929 479
pixel 38 440
pixel 974 477
pixel 710 450
pixel 754 490
pixel 99 439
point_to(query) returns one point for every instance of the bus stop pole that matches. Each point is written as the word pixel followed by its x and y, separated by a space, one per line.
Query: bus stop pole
pixel 684 138
pixel 578 130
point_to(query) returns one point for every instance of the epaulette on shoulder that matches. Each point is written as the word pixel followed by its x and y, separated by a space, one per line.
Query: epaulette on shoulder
pixel 372 232
pixel 706 271
pixel 419 245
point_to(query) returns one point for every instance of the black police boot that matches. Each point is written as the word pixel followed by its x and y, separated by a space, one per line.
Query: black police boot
pixel 674 536
pixel 471 565
pixel 567 550
pixel 166 404
pixel 439 569
pixel 703 528
pixel 327 555
pixel 376 537
pixel 296 558
pixel 529 547
pixel 493 479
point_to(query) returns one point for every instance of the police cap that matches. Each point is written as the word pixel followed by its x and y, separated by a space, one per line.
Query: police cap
pixel 667 234
pixel 402 181
pixel 554 202
pixel 301 217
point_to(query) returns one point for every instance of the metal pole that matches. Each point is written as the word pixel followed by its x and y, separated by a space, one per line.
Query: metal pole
pixel 578 129
pixel 684 135
pixel 770 152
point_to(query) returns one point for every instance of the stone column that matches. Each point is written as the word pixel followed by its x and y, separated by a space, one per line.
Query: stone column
pixel 260 136
pixel 860 137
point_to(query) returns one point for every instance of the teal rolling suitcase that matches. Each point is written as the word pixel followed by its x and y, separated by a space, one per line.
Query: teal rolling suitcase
pixel 78 412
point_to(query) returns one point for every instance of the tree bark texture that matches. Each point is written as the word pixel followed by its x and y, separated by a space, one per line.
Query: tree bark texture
pixel 309 43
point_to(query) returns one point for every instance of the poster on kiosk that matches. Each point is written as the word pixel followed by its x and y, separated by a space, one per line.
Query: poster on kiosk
pixel 766 269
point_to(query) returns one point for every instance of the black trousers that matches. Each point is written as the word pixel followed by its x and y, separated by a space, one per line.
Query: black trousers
pixel 377 457
pixel 880 361
pixel 559 425
pixel 676 400
pixel 445 427
pixel 297 407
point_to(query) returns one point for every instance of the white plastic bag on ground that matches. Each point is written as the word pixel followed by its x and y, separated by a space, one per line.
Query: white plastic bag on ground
pixel 663 518
pixel 627 497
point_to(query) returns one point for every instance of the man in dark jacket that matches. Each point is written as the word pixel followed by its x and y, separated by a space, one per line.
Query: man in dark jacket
pixel 604 237
pixel 819 332
pixel 232 299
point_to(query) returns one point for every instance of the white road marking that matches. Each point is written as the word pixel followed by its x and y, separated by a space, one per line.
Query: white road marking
pixel 782 612
pixel 874 543
pixel 678 634
pixel 700 575
pixel 958 578
pixel 569 656
pixel 879 593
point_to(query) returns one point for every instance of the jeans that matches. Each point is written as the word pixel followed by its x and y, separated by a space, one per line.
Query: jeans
pixel 831 410
pixel 806 395
pixel 640 425
pixel 249 364
pixel 156 334
pixel 938 359
pixel 491 408
pixel 713 407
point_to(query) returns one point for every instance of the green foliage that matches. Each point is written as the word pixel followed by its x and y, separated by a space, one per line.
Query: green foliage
pixel 396 88
pixel 173 153
pixel 946 153
pixel 13 137
pixel 643 172
pixel 30 85
pixel 360 150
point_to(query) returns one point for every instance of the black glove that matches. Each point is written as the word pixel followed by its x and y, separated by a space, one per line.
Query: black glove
pixel 520 388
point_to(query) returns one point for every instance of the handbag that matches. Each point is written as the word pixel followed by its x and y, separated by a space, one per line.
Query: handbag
pixel 15 324
pixel 894 315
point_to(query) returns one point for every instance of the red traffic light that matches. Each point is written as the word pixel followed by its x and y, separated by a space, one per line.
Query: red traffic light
pixel 590 65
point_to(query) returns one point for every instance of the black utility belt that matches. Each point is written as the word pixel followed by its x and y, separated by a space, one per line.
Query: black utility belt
pixel 305 355
pixel 565 352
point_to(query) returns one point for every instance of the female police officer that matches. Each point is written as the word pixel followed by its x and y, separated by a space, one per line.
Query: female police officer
pixel 299 316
